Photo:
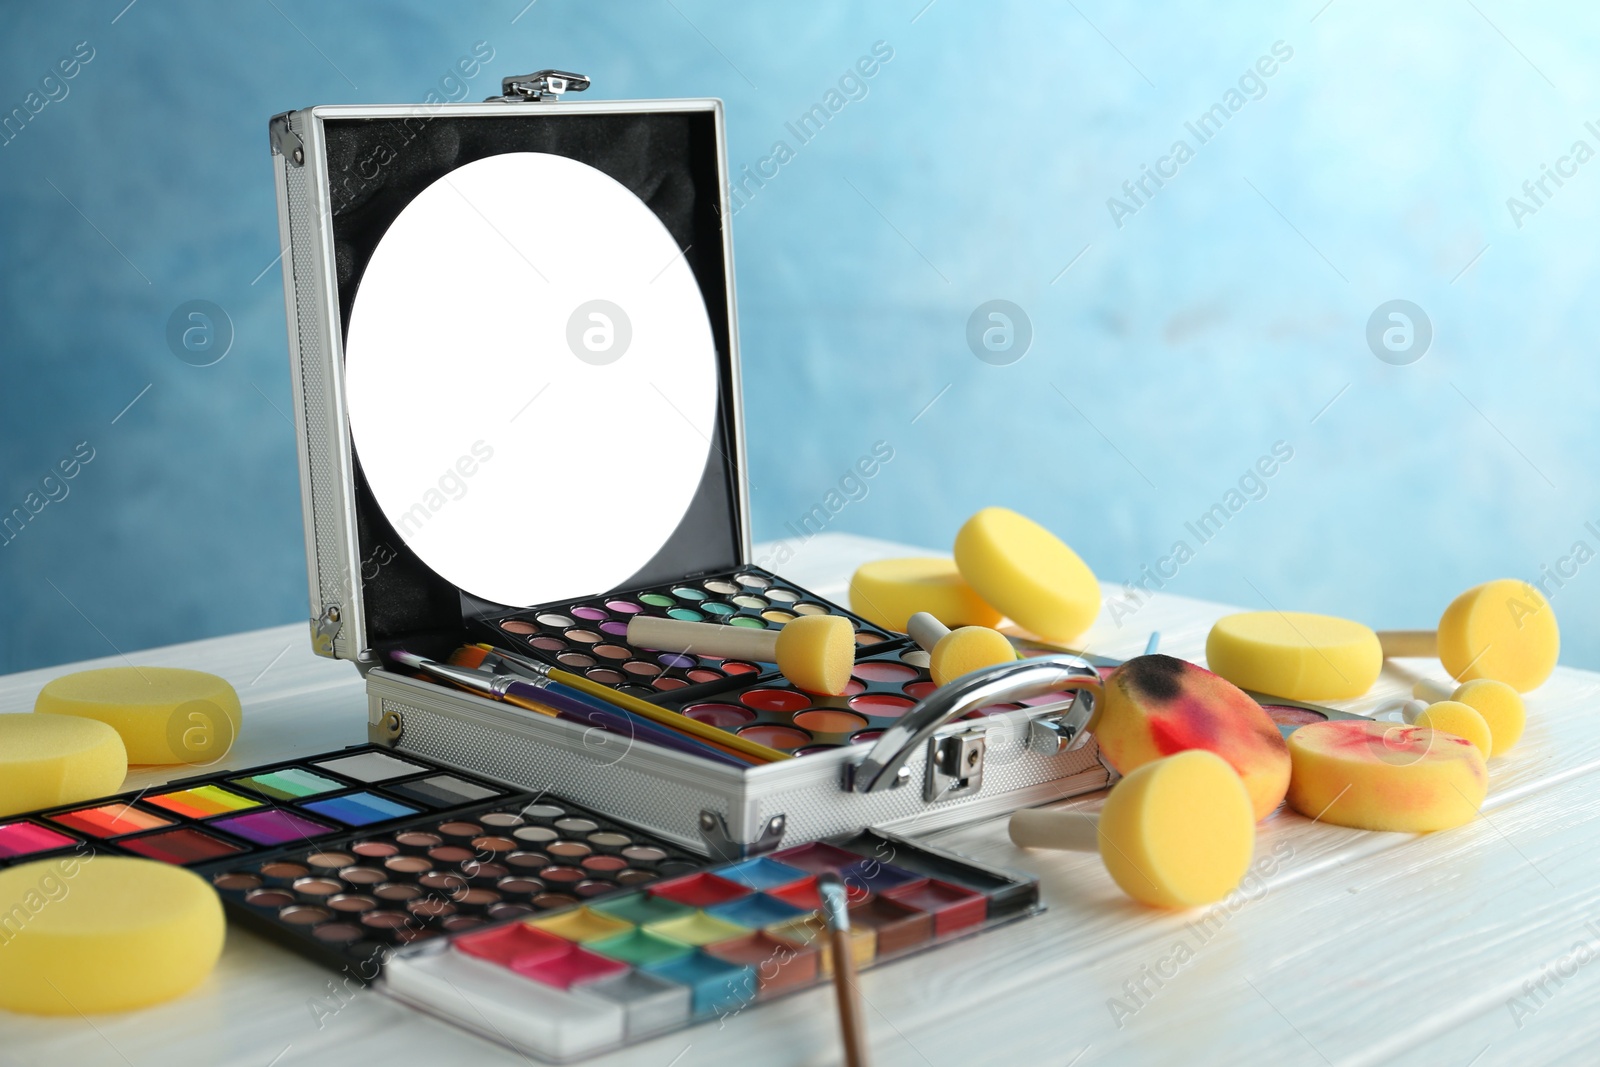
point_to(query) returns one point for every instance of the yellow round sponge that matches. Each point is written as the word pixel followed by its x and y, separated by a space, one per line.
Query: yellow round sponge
pixel 1027 573
pixel 1178 832
pixel 1454 717
pixel 1384 776
pixel 967 649
pixel 1501 707
pixel 1295 654
pixel 164 714
pixel 817 652
pixel 86 935
pixel 46 760
pixel 889 591
pixel 1503 630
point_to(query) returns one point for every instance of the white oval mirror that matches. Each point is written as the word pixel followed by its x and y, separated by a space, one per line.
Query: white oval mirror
pixel 531 379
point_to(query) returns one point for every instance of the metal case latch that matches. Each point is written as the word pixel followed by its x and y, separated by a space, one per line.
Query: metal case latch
pixel 541 85
pixel 955 765
pixel 325 629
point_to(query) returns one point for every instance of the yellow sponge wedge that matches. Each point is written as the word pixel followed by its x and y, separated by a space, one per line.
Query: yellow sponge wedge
pixel 1295 655
pixel 164 714
pixel 1028 573
pixel 46 760
pixel 889 591
pixel 1500 705
pixel 1384 776
pixel 87 935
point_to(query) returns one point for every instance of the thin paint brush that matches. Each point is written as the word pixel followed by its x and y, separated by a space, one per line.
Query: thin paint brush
pixel 836 915
pixel 533 697
pixel 667 718
pixel 476 657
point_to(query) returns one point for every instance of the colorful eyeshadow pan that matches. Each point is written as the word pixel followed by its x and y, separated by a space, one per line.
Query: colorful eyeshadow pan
pixel 111 820
pixel 275 827
pixel 359 809
pixel 444 791
pixel 25 839
pixel 372 767
pixel 181 846
pixel 203 801
pixel 291 783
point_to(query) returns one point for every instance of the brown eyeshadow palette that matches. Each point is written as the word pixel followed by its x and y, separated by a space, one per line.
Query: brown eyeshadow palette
pixel 346 855
pixel 589 636
pixel 596 976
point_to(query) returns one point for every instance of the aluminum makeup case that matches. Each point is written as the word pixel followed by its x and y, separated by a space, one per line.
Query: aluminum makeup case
pixel 345 175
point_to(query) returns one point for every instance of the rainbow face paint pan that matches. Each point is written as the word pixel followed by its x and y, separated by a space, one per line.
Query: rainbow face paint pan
pixel 590 978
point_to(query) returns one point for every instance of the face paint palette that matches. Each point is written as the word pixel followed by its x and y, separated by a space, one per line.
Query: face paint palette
pixel 779 714
pixel 589 637
pixel 597 976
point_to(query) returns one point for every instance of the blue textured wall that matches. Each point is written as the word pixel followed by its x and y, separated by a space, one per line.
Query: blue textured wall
pixel 1176 335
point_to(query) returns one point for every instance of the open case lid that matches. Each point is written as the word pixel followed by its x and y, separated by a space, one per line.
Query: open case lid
pixel 515 354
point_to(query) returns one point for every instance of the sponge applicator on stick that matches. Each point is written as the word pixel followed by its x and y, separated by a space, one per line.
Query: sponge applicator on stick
pixel 952 653
pixel 815 652
pixel 1176 833
pixel 1029 574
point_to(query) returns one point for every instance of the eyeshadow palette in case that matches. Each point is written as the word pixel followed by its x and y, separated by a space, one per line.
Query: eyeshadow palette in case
pixel 547 440
pixel 348 855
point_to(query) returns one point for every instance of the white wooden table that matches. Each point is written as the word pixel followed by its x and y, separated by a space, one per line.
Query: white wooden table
pixel 1477 945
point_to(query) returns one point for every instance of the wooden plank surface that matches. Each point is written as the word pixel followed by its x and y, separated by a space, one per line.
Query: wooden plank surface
pixel 1343 948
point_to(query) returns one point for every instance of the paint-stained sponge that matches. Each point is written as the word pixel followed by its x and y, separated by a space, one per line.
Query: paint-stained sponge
pixel 46 760
pixel 888 592
pixel 164 714
pixel 1026 572
pixel 84 935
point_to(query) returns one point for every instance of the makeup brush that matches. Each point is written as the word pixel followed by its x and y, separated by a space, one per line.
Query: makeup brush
pixel 671 719
pixel 533 697
pixel 836 914
pixel 478 658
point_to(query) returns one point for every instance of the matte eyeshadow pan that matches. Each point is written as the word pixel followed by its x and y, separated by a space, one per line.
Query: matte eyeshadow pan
pixel 180 846
pixel 359 809
pixel 24 839
pixel 371 767
pixel 110 820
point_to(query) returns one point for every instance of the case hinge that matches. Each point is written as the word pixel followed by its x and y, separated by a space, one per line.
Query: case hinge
pixel 285 142
pixel 539 86
pixel 714 831
pixel 325 629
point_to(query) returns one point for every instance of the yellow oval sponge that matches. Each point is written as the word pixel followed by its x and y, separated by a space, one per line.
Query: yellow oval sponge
pixel 1295 654
pixel 1454 717
pixel 1503 630
pixel 1027 573
pixel 889 591
pixel 164 714
pixel 46 760
pixel 86 935
pixel 1178 832
pixel 1384 776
